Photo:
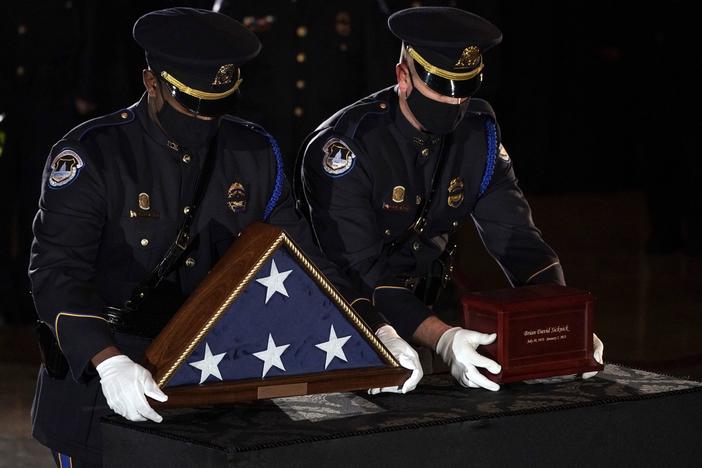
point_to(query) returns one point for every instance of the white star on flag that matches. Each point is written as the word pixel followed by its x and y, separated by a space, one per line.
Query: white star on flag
pixel 334 347
pixel 271 356
pixel 208 365
pixel 274 282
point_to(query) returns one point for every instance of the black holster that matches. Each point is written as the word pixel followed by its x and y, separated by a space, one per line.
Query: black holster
pixel 51 355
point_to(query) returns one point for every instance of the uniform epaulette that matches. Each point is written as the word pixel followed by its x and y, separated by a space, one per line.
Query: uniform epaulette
pixel 347 120
pixel 481 106
pixel 245 123
pixel 121 117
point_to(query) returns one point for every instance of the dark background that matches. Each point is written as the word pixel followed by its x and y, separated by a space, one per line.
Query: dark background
pixel 597 101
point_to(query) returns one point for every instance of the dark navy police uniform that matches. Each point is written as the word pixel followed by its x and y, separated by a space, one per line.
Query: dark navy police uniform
pixel 115 190
pixel 384 197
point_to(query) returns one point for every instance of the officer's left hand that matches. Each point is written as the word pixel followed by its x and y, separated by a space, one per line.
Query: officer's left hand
pixel 406 356
pixel 599 352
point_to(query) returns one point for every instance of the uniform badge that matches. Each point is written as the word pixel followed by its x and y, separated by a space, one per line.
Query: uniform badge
pixel 144 201
pixel 65 169
pixel 224 75
pixel 398 194
pixel 455 192
pixel 338 158
pixel 470 58
pixel 144 211
pixel 236 197
pixel 503 153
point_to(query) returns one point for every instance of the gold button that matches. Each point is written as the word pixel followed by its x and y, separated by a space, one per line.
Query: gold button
pixel 21 29
pixel 419 199
pixel 124 115
pixel 301 57
pixel 300 84
pixel 186 210
pixel 425 152
pixel 383 105
pixel 301 31
pixel 20 70
pixel 415 246
pixel 190 262
pixel 387 232
pixel 144 242
pixel 343 47
pixel 186 158
pixel 455 224
pixel 298 111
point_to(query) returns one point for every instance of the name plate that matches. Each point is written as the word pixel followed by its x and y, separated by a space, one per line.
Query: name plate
pixel 542 330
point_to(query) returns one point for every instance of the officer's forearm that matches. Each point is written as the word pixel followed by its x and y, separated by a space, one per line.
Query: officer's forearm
pixel 429 331
pixel 106 353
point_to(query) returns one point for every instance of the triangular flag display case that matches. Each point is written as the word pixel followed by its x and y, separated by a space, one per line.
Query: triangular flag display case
pixel 266 323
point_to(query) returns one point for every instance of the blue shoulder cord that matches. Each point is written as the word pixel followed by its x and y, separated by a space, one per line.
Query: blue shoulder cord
pixel 491 153
pixel 278 176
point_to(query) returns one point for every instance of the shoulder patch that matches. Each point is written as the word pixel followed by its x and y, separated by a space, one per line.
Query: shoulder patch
pixel 338 158
pixel 503 153
pixel 65 168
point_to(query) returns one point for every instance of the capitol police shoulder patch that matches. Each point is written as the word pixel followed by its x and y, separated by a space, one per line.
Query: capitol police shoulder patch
pixel 338 158
pixel 503 153
pixel 65 168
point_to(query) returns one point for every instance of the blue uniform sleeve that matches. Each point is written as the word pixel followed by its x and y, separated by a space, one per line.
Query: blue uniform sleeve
pixel 504 221
pixel 67 236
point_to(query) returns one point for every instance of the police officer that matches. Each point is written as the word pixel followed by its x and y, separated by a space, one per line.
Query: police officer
pixel 116 190
pixel 389 178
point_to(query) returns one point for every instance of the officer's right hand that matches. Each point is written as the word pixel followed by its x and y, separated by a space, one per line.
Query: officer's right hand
pixel 124 384
pixel 457 347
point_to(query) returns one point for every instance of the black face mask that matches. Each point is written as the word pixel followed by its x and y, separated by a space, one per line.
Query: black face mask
pixel 436 117
pixel 186 130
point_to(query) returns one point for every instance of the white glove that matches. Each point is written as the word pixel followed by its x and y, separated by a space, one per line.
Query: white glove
pixel 124 384
pixel 597 354
pixel 457 347
pixel 406 356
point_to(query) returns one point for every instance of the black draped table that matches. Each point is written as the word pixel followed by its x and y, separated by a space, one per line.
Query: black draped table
pixel 621 417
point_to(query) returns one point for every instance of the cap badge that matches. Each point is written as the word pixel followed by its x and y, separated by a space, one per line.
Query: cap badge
pixel 470 57
pixel 144 201
pixel 455 192
pixel 224 75
pixel 236 197
pixel 398 194
pixel 338 158
pixel 65 168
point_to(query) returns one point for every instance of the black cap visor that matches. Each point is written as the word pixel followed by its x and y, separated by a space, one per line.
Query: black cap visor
pixel 453 88
pixel 204 107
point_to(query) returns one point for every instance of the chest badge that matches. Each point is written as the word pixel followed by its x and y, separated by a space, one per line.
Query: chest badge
pixel 236 197
pixel 398 194
pixel 144 211
pixel 144 201
pixel 455 192
pixel 338 158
